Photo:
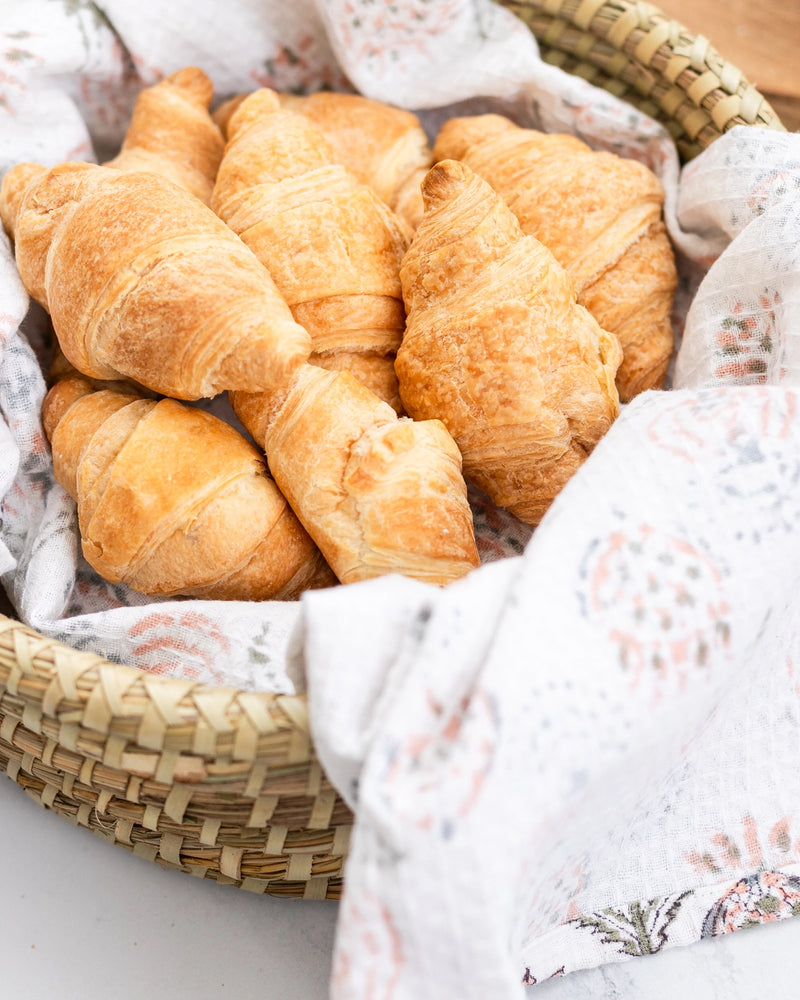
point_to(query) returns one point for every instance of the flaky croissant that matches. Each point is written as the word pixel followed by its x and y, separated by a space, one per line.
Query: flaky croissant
pixel 600 215
pixel 143 281
pixel 378 493
pixel 171 132
pixel 173 501
pixel 498 349
pixel 384 146
pixel 60 368
pixel 332 247
pixel 223 112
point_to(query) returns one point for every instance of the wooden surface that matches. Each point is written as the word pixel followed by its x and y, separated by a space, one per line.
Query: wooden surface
pixel 760 37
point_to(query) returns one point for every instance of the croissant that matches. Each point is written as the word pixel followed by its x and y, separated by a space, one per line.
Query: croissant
pixel 600 215
pixel 171 132
pixel 223 112
pixel 60 368
pixel 384 146
pixel 172 500
pixel 497 347
pixel 378 493
pixel 330 244
pixel 143 281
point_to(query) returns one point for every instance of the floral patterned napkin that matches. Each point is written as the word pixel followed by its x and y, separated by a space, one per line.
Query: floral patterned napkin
pixel 586 750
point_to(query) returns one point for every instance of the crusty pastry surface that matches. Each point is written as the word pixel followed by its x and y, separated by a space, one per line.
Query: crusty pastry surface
pixel 172 500
pixel 60 368
pixel 171 132
pixel 383 145
pixel 600 215
pixel 497 347
pixel 332 247
pixel 143 281
pixel 378 493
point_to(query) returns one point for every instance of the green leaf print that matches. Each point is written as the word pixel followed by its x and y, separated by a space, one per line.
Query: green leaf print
pixel 641 929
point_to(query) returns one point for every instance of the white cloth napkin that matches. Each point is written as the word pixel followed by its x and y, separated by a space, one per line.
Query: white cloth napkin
pixel 586 750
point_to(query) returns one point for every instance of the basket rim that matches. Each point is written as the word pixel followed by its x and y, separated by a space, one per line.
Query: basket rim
pixel 45 677
pixel 639 53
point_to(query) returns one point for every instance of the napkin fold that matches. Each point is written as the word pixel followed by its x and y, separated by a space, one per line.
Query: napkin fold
pixel 573 757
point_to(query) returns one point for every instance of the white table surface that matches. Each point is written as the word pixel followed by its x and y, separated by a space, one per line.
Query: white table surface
pixel 86 920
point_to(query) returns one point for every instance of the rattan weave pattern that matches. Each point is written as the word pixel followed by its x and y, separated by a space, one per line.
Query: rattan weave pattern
pixel 636 52
pixel 213 781
pixel 224 784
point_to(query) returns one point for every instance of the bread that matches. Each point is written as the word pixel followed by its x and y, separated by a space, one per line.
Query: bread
pixel 223 113
pixel 384 146
pixel 332 247
pixel 378 493
pixel 171 132
pixel 173 501
pixel 60 368
pixel 497 347
pixel 143 281
pixel 600 215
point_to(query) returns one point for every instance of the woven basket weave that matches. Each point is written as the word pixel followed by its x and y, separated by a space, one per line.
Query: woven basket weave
pixel 637 53
pixel 222 783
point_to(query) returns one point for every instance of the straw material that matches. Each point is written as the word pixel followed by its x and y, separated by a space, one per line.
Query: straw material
pixel 639 54
pixel 224 784
pixel 212 781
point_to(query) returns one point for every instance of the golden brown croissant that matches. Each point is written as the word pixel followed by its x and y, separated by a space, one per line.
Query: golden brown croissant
pixel 384 146
pixel 60 368
pixel 172 500
pixel 143 281
pixel 378 493
pixel 171 132
pixel 332 246
pixel 223 113
pixel 497 347
pixel 600 215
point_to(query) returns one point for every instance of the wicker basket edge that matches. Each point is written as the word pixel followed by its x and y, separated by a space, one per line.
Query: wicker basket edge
pixel 51 677
pixel 636 52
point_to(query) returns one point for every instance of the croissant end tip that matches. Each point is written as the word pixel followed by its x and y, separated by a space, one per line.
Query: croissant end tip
pixel 196 85
pixel 15 185
pixel 459 135
pixel 443 179
pixel 60 398
pixel 254 106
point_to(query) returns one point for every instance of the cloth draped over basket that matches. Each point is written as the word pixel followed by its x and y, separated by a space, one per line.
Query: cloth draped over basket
pixel 578 754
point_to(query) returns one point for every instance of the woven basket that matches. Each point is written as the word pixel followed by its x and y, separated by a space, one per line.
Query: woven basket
pixel 637 53
pixel 222 783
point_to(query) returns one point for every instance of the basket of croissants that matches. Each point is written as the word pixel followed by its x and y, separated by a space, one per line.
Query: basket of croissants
pixel 372 375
